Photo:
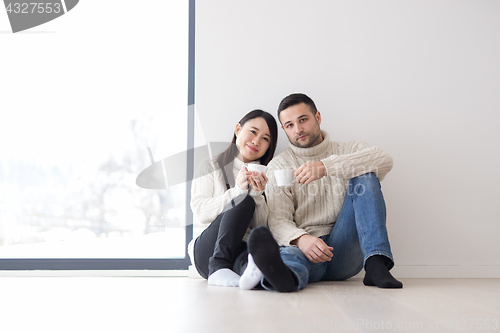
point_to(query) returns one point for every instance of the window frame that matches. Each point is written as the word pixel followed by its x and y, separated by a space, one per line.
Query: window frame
pixel 134 264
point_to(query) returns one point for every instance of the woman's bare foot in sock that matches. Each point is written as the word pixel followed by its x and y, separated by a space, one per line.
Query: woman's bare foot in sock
pixel 251 276
pixel 224 278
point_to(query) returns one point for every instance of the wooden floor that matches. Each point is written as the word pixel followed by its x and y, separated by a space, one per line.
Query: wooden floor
pixel 160 304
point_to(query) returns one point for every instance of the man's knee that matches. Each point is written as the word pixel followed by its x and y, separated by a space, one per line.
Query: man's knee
pixel 364 184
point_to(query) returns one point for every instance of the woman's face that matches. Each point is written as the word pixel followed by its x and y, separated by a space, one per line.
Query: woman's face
pixel 253 139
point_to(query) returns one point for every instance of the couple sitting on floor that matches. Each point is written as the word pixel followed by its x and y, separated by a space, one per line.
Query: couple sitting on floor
pixel 326 226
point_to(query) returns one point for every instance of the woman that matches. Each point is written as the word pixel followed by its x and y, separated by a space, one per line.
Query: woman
pixel 231 200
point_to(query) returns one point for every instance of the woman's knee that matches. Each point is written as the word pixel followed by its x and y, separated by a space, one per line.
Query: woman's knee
pixel 245 203
pixel 242 202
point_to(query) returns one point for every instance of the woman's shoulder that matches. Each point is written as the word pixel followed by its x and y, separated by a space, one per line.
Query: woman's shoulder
pixel 205 166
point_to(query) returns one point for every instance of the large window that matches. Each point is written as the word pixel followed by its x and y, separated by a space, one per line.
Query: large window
pixel 82 100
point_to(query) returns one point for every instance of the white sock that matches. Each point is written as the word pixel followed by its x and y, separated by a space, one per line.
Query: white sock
pixel 251 276
pixel 224 277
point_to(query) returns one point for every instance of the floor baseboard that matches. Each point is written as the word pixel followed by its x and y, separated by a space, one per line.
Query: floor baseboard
pixel 443 272
pixel 399 271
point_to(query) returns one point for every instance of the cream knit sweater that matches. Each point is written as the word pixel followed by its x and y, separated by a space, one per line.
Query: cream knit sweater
pixel 209 197
pixel 314 208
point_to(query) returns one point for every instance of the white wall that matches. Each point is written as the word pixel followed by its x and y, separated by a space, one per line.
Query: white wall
pixel 420 79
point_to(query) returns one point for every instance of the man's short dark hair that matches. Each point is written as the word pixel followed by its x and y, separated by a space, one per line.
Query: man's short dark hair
pixel 295 99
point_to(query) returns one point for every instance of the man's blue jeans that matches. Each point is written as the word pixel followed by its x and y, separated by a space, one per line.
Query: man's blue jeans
pixel 359 233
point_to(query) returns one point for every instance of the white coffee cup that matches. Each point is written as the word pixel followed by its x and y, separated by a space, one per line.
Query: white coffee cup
pixel 257 168
pixel 284 177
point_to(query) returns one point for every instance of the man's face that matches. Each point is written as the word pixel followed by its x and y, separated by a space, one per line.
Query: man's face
pixel 301 126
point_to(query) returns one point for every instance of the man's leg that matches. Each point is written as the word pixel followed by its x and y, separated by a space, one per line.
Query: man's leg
pixel 305 270
pixel 359 236
pixel 266 255
pixel 284 268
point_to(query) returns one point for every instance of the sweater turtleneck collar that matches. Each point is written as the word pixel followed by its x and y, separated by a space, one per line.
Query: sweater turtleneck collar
pixel 317 150
pixel 237 163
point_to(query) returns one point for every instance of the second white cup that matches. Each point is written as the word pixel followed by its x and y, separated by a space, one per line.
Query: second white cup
pixel 284 177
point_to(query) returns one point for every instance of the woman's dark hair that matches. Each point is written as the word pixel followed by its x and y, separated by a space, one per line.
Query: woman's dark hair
pixel 295 99
pixel 230 153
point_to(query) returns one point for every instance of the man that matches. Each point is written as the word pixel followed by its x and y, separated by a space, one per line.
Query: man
pixel 332 221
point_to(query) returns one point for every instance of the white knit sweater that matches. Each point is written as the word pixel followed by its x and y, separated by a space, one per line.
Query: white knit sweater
pixel 209 197
pixel 314 208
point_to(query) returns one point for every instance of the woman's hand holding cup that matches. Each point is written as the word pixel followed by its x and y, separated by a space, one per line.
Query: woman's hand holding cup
pixel 258 179
pixel 243 179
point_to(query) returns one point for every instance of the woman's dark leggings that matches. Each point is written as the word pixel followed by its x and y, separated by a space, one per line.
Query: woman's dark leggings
pixel 220 245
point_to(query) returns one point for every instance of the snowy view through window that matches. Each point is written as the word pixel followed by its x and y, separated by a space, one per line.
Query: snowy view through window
pixel 81 102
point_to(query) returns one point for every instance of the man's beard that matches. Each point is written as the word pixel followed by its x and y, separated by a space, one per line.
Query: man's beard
pixel 312 137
